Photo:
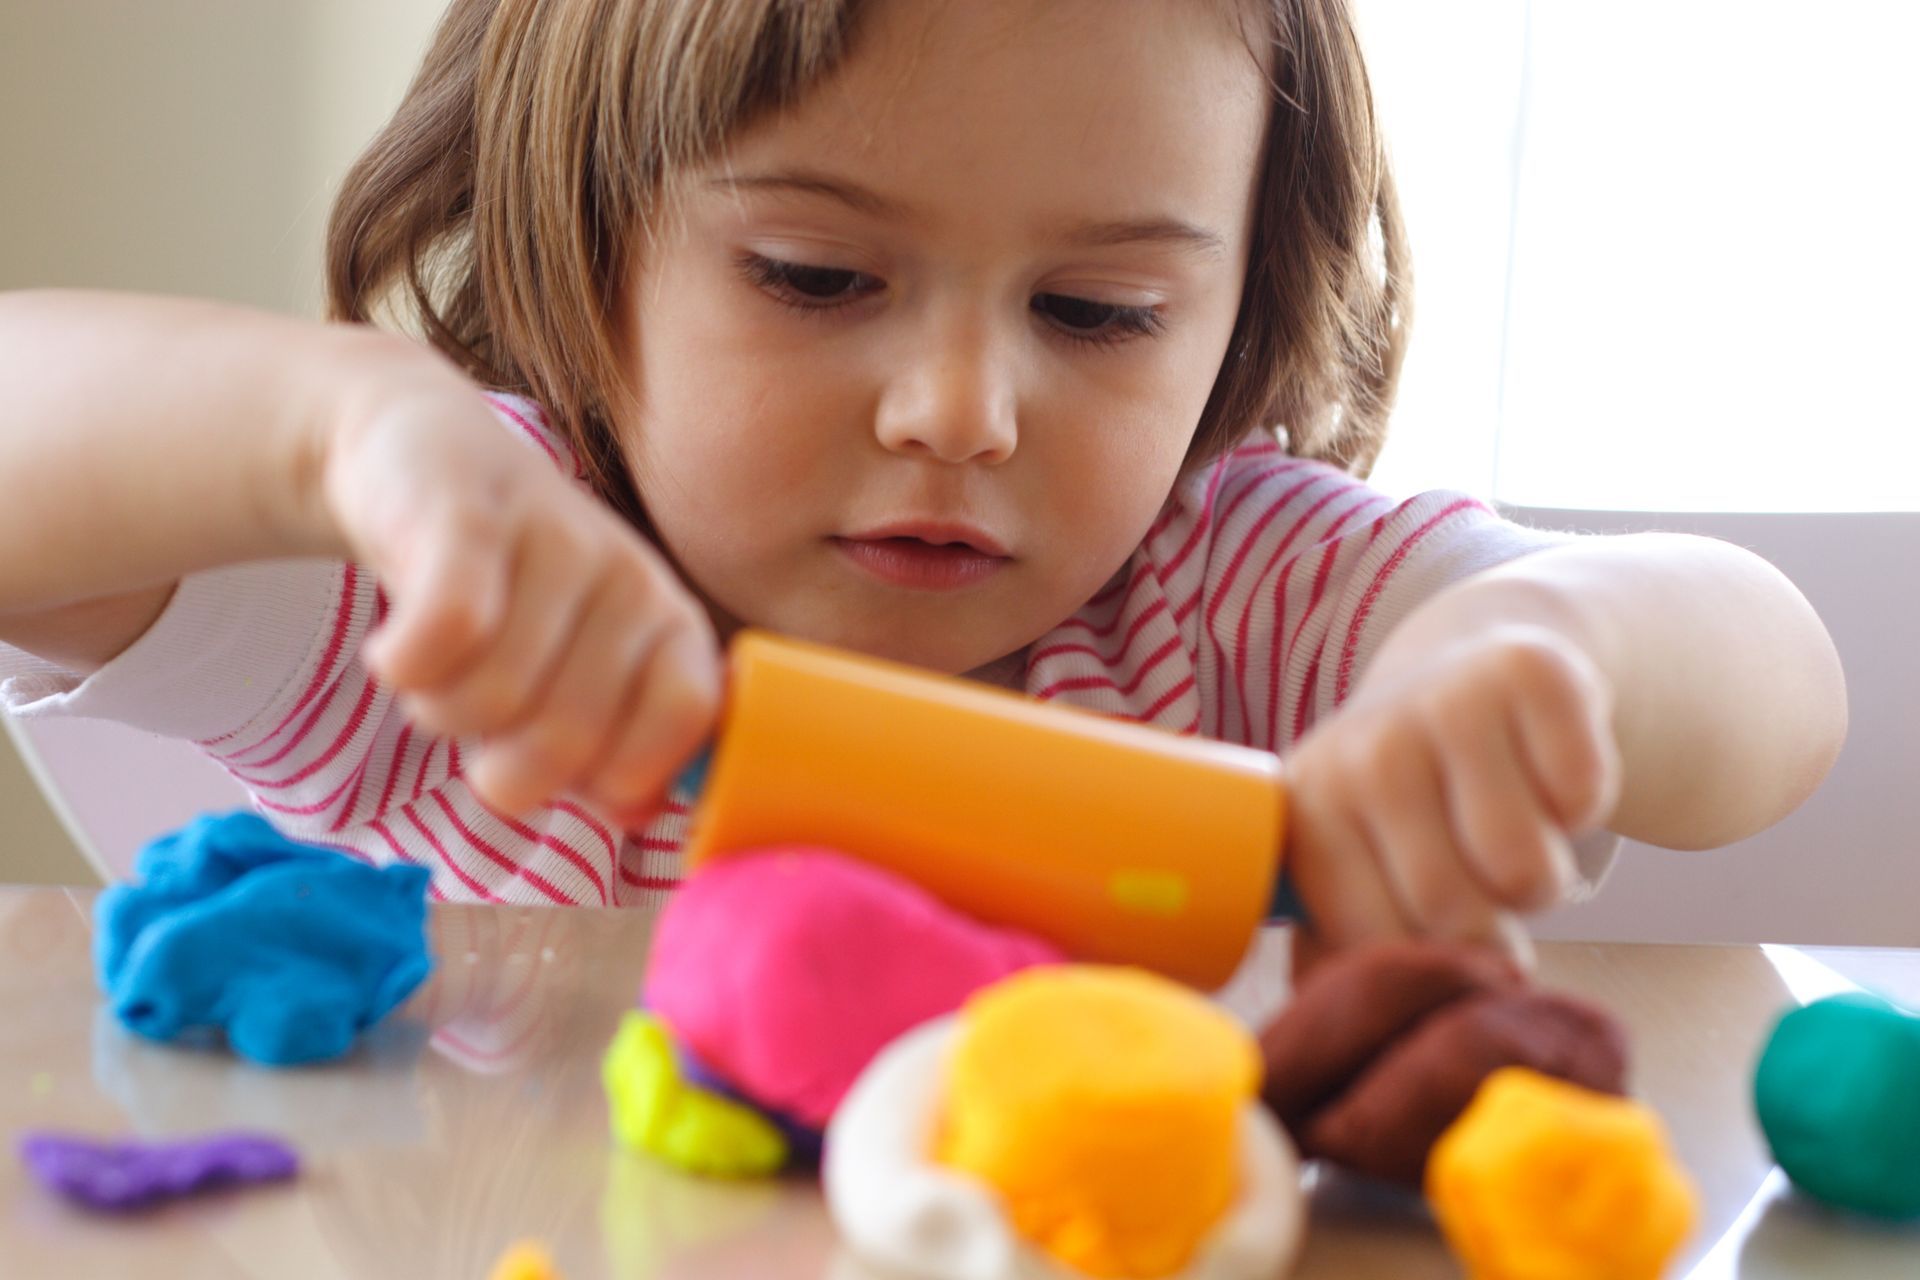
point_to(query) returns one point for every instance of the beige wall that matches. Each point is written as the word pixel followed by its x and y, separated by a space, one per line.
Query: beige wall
pixel 191 147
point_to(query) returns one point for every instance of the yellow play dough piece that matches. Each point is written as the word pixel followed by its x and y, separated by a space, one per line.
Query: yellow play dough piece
pixel 1543 1180
pixel 525 1260
pixel 1103 1105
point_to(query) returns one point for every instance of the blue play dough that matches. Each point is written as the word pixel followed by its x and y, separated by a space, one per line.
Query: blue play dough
pixel 292 950
pixel 1285 904
pixel 693 778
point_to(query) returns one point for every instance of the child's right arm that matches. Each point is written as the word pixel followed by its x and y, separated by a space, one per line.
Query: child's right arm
pixel 148 438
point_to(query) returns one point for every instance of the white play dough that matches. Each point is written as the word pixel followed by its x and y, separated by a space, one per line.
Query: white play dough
pixel 899 1209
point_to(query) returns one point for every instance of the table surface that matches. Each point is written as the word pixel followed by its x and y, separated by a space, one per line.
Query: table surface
pixel 474 1117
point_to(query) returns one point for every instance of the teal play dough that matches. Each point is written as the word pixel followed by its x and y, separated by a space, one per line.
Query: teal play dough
pixel 1838 1095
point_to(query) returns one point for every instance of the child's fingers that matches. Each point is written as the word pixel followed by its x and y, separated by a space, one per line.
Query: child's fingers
pixel 1311 948
pixel 447 605
pixel 677 699
pixel 553 574
pixel 1404 814
pixel 1563 720
pixel 1511 843
pixel 630 790
pixel 1511 937
pixel 1333 865
pixel 566 730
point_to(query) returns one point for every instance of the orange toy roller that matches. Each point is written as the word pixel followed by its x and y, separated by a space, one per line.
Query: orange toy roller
pixel 1121 843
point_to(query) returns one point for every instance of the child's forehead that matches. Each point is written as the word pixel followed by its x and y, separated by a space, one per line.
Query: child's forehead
pixel 1088 103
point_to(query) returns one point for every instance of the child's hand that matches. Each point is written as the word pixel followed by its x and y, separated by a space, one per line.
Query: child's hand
pixel 1445 793
pixel 521 608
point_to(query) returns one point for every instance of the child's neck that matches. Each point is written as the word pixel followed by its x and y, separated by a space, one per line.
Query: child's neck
pixel 1009 672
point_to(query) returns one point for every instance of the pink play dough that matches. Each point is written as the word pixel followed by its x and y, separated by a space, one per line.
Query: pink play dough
pixel 786 971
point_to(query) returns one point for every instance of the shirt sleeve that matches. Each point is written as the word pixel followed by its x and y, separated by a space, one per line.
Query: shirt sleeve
pixel 1304 571
pixel 221 653
pixel 1295 572
pixel 259 665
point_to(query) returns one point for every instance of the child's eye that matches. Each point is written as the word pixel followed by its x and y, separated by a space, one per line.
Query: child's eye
pixel 804 287
pixel 1104 323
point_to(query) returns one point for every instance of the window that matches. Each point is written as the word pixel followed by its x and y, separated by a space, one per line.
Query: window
pixel 1664 252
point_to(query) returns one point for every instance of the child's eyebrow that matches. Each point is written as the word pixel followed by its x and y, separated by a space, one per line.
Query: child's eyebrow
pixel 1094 234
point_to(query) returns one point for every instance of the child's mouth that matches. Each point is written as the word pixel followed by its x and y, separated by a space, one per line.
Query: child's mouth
pixel 918 564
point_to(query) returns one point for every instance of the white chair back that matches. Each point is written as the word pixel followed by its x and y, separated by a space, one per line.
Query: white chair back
pixel 115 788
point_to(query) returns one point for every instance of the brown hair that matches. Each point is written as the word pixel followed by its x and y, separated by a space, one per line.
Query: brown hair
pixel 500 208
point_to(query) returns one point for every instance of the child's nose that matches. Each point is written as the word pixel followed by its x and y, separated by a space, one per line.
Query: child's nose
pixel 953 398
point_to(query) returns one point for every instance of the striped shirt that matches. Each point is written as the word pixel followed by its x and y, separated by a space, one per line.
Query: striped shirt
pixel 1247 614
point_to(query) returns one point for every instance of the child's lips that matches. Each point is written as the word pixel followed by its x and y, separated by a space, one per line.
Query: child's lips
pixel 921 565
pixel 937 533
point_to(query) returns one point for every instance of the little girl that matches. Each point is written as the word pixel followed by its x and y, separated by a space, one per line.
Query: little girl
pixel 1043 342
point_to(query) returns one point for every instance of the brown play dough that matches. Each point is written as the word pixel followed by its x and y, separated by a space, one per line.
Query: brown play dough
pixel 1382 1048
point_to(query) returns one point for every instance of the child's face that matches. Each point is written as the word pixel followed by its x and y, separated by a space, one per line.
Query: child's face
pixel 954 338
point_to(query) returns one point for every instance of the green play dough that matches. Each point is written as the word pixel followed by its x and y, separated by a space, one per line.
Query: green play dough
pixel 1838 1095
pixel 655 1110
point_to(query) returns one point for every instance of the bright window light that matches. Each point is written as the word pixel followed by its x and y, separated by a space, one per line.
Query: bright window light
pixel 1665 251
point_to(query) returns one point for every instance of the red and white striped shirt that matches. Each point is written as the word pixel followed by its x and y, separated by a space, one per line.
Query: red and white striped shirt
pixel 1247 614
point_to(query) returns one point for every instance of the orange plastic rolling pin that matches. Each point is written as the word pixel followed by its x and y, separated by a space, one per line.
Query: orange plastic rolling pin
pixel 1119 842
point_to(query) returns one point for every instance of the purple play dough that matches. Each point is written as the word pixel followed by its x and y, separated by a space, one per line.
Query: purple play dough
pixel 132 1174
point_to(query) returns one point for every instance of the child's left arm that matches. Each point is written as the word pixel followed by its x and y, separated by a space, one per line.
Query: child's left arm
pixel 1674 689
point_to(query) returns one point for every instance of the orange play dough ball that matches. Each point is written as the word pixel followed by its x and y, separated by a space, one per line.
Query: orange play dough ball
pixel 1544 1180
pixel 1103 1105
